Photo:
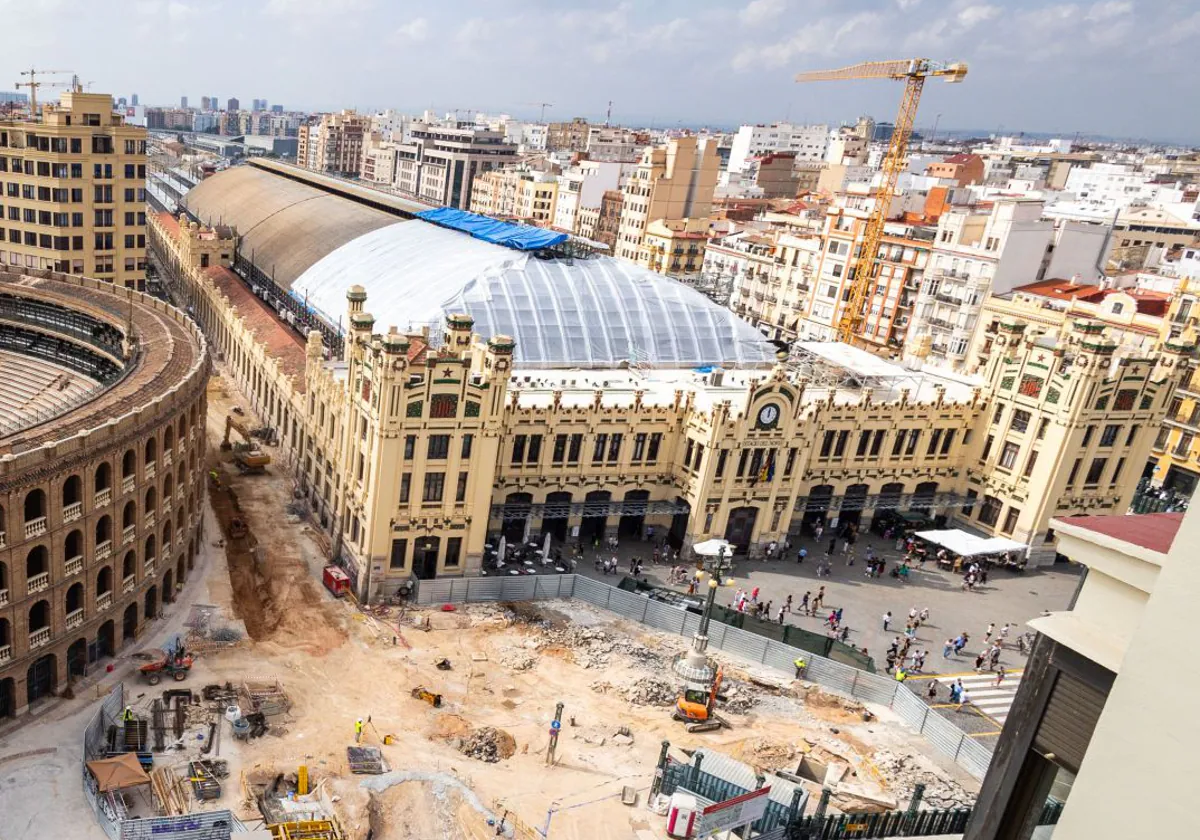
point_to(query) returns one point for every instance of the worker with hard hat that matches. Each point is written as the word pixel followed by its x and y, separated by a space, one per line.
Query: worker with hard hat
pixel 801 665
pixel 127 716
pixel 358 728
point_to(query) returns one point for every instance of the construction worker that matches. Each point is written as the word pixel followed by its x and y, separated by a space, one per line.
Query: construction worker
pixel 127 716
pixel 358 728
pixel 901 674
pixel 801 665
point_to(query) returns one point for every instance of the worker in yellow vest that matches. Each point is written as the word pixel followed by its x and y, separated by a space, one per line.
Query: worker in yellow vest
pixel 801 666
pixel 901 674
pixel 358 728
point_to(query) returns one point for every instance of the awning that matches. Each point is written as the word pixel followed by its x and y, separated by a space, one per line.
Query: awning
pixel 969 545
pixel 122 771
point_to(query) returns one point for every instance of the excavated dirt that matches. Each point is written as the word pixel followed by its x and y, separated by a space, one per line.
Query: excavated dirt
pixel 415 809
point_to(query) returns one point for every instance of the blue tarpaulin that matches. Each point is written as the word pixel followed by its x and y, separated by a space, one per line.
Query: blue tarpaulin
pixel 520 237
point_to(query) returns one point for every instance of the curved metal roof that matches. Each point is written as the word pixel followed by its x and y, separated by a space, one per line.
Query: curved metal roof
pixel 285 226
pixel 595 312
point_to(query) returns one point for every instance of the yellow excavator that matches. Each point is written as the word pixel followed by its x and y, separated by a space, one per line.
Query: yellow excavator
pixel 248 456
pixel 696 706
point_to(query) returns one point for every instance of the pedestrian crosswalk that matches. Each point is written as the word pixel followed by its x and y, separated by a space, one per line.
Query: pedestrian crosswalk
pixel 991 699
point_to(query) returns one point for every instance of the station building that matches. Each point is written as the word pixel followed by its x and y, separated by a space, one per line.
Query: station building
pixel 433 390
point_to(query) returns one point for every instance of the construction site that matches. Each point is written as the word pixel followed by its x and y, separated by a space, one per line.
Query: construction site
pixel 305 714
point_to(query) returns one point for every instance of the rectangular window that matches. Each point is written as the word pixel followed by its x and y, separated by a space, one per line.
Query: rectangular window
pixel 435 487
pixel 518 450
pixel 999 413
pixel 460 492
pixel 826 444
pixel 639 447
pixel 987 447
pixel 1095 471
pixel 864 439
pixel 453 551
pixel 438 448
pixel 1010 520
pixel 687 453
pixel 1042 427
pixel 1133 430
pixel 1020 421
pixel 1087 435
pixel 655 443
pixel 410 447
pixel 742 456
pixel 913 437
pixel 598 449
pixel 405 487
pixel 1074 471
pixel 699 457
pixel 935 440
pixel 614 447
pixel 790 464
pixel 756 462
pixel 399 553
pixel 722 458
pixel 576 447
pixel 947 442
pixel 1008 455
pixel 1109 436
pixel 467 441
pixel 1029 463
pixel 877 443
pixel 1116 476
pixel 989 511
pixel 839 448
pixel 535 449
pixel 559 454
pixel 898 445
pixel 969 507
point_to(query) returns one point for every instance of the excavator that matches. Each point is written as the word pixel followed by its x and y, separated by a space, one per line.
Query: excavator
pixel 696 706
pixel 250 459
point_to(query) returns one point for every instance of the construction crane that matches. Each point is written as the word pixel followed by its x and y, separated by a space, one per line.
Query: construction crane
pixel 543 106
pixel 33 84
pixel 913 72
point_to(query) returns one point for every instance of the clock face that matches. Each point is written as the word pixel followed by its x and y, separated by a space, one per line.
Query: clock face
pixel 768 416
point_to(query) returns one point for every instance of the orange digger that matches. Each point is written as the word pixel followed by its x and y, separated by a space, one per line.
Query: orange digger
pixel 696 706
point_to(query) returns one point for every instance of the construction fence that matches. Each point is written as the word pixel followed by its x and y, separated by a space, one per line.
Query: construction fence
pixel 947 738
pixel 109 812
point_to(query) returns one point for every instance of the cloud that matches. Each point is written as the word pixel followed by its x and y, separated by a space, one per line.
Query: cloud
pixel 761 11
pixel 1101 12
pixel 825 37
pixel 474 32
pixel 971 16
pixel 415 30
pixel 293 9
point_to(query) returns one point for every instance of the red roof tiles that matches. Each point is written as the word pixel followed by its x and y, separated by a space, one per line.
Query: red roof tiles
pixel 1153 531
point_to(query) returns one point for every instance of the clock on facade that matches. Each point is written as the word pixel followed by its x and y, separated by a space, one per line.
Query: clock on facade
pixel 768 416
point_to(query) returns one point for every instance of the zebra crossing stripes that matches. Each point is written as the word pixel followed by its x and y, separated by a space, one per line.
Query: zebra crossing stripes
pixel 993 700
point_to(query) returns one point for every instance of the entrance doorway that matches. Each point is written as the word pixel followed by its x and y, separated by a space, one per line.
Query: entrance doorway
pixel 817 506
pixel 595 517
pixel 40 678
pixel 129 623
pixel 740 529
pixel 853 503
pixel 632 525
pixel 516 517
pixel 8 699
pixel 151 610
pixel 77 655
pixel 425 557
pixel 106 642
pixel 679 524
pixel 168 585
pixel 556 516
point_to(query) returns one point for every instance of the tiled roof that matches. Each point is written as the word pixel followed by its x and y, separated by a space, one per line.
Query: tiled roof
pixel 280 341
pixel 1153 531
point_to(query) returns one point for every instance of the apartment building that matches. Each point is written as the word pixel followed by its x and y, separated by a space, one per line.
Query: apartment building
pixel 986 249
pixel 379 160
pixel 74 190
pixel 807 142
pixel 961 169
pixel 442 160
pixel 672 183
pixel 769 276
pixel 519 192
pixel 614 143
pixel 334 143
pixel 568 136
pixel 581 188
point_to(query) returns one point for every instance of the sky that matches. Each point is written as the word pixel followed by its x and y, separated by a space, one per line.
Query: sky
pixel 1112 67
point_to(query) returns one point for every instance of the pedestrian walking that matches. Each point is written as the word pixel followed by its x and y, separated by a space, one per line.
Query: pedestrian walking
pixel 787 605
pixel 1004 631
pixel 782 609
pixel 947 649
pixel 1000 675
pixel 964 697
pixel 801 554
pixel 754 595
pixel 931 692
pixel 991 628
pixel 803 603
pixel 772 546
pixel 887 620
pixel 891 660
pixel 838 613
pixel 924 615
pixel 819 530
pixel 767 610
pixel 832 547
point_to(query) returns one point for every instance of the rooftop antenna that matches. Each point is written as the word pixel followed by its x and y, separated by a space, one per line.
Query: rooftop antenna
pixel 608 114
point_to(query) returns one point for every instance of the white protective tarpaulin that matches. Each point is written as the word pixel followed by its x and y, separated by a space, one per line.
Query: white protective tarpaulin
pixel 969 545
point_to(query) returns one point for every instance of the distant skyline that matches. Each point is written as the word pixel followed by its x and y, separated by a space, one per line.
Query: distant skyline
pixel 1114 67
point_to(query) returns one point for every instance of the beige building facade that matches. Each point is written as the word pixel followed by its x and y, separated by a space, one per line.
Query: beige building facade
pixel 334 143
pixel 73 193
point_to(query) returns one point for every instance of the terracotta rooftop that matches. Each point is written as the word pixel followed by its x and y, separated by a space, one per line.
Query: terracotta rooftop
pixel 1153 531
pixel 279 340
pixel 170 224
pixel 1148 302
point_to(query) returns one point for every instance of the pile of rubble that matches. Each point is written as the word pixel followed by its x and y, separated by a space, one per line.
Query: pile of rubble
pixel 594 647
pixel 648 691
pixel 904 772
pixel 737 697
pixel 487 744
pixel 517 659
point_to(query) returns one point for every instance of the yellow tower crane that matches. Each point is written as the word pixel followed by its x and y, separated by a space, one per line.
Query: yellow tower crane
pixel 913 72
pixel 33 84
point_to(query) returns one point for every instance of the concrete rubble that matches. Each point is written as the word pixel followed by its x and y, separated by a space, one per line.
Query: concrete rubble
pixel 904 772
pixel 487 744
pixel 594 648
pixel 648 691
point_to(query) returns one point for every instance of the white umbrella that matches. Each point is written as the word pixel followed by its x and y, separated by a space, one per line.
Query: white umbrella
pixel 713 548
pixel 501 551
pixel 546 546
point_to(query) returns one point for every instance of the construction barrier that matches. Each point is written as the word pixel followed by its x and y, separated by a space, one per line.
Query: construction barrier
pixel 941 733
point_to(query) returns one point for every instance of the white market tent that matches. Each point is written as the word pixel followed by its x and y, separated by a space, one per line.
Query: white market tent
pixel 969 545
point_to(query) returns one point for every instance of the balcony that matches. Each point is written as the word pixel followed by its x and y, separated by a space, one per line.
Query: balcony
pixel 167 458
pixel 149 567
pixel 103 550
pixel 3 539
pixel 103 497
pixel 1182 451
pixel 75 619
pixel 179 450
pixel 128 584
pixel 1190 420
pixel 180 495
pixel 37 583
pixel 35 527
pixel 73 566
pixel 72 511
pixel 151 470
pixel 3 597
pixel 5 653
pixel 39 638
pixel 128 534
pixel 148 521
pixel 104 600
pixel 166 548
pixel 128 483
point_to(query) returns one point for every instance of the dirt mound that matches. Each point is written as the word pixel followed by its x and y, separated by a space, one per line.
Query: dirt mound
pixel 648 691
pixel 451 726
pixel 488 744
pixel 764 754
pixel 831 707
